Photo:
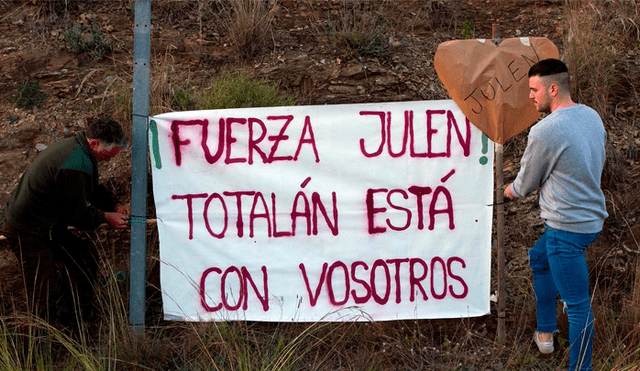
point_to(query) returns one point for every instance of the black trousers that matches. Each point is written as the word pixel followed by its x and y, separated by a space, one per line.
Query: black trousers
pixel 59 273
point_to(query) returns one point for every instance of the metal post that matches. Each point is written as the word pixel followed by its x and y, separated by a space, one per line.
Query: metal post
pixel 142 41
pixel 502 287
pixel 635 303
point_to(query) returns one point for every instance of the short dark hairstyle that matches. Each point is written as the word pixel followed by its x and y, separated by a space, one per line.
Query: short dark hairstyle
pixel 547 67
pixel 106 130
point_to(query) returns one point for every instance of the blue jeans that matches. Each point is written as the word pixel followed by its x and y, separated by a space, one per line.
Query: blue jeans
pixel 559 266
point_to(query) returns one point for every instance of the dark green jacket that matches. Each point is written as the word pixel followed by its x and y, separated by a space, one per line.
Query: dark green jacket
pixel 60 189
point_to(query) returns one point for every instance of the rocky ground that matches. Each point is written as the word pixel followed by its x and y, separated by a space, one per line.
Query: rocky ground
pixel 299 57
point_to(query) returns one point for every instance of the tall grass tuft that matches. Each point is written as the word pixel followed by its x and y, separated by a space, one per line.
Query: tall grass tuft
pixel 247 24
pixel 28 342
pixel 359 27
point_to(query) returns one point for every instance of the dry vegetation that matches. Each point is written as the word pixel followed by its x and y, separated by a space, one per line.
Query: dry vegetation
pixel 599 40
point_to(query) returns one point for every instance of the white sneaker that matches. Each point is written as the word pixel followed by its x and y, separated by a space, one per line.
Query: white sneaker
pixel 545 348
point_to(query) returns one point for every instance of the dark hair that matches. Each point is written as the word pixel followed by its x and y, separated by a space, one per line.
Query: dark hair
pixel 548 67
pixel 106 130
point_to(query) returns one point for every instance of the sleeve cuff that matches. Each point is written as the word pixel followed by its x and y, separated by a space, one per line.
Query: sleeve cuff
pixel 514 192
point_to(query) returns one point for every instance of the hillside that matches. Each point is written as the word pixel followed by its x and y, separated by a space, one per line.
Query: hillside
pixel 191 48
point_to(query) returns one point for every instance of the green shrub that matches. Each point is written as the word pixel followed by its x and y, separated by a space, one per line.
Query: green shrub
pixel 95 46
pixel 29 95
pixel 181 100
pixel 467 29
pixel 74 39
pixel 241 91
pixel 366 43
pixel 374 44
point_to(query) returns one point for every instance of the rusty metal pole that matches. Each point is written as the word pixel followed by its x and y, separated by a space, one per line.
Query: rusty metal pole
pixel 502 287
pixel 636 293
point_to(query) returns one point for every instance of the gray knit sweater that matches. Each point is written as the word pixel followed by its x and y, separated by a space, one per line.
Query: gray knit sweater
pixel 564 157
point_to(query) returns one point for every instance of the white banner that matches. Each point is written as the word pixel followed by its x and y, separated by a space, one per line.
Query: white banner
pixel 323 213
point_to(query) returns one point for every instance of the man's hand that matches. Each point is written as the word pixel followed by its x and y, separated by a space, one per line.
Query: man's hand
pixel 116 219
pixel 123 209
pixel 507 192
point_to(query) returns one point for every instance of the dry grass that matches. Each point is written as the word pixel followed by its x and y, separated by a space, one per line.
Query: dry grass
pixel 28 342
pixel 598 36
pixel 602 41
pixel 364 28
pixel 247 24
pixel 358 26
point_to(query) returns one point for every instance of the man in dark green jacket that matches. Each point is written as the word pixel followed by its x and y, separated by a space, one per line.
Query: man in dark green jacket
pixel 61 189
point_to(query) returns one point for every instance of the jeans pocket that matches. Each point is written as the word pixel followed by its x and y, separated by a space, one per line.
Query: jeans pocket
pixel 573 243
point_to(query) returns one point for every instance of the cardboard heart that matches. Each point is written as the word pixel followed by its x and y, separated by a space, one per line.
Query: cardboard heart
pixel 489 83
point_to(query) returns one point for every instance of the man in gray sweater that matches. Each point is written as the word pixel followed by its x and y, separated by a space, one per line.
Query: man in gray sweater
pixel 564 157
